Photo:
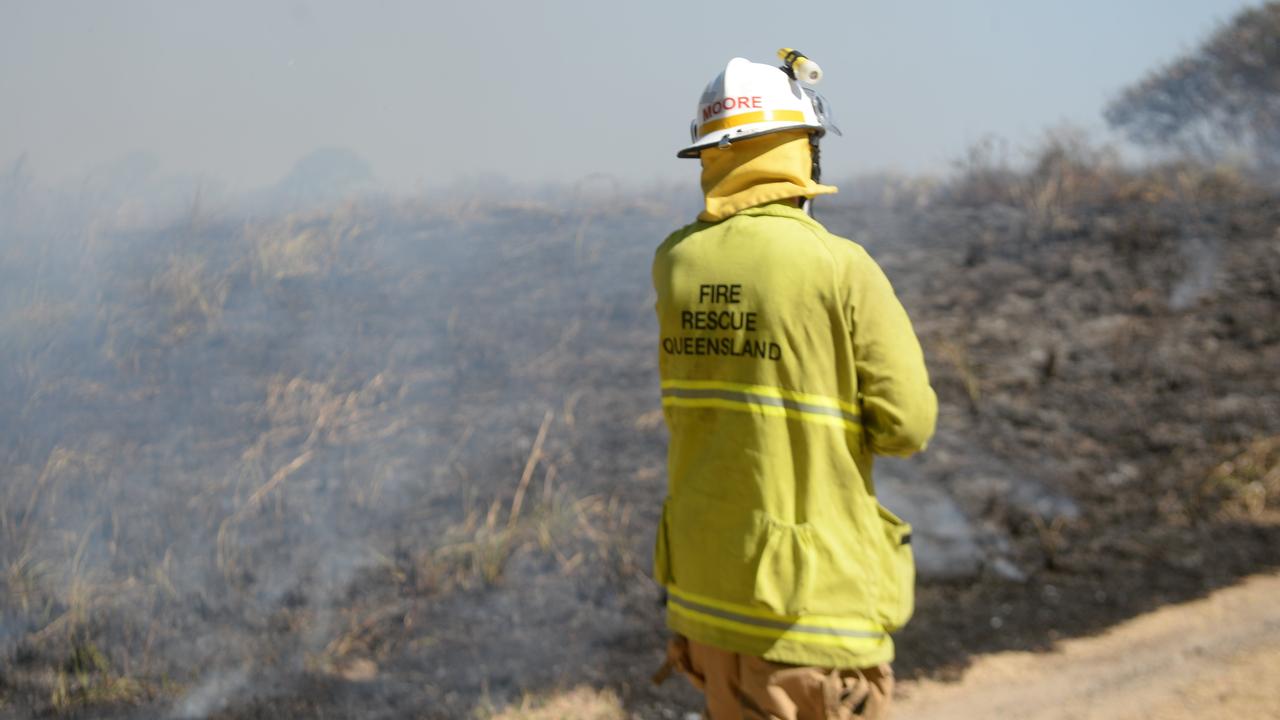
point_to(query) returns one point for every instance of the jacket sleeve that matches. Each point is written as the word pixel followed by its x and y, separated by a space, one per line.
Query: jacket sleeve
pixel 899 408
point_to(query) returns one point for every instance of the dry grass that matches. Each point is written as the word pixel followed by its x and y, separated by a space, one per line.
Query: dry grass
pixel 962 367
pixel 226 443
pixel 86 679
pixel 1068 178
pixel 580 703
pixel 286 450
pixel 305 245
pixel 1248 483
pixel 193 296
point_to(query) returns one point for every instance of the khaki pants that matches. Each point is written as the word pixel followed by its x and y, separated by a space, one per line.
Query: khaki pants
pixel 743 687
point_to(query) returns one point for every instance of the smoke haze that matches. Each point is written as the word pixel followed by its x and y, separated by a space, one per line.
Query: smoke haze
pixel 327 365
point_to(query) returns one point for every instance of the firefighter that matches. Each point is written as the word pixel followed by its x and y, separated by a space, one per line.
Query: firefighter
pixel 786 364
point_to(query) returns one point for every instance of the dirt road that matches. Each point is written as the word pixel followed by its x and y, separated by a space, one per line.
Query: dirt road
pixel 1218 657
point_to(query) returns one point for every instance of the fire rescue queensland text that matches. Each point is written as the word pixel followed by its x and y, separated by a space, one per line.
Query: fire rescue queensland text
pixel 742 323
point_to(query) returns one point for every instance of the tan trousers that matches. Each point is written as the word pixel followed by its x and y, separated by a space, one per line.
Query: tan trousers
pixel 743 687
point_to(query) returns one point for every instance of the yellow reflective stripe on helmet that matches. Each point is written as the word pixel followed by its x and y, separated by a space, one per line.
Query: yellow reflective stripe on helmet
pixel 751 117
pixel 812 630
pixel 763 400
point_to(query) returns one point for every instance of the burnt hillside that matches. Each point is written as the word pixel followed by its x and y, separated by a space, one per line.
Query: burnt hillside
pixel 406 458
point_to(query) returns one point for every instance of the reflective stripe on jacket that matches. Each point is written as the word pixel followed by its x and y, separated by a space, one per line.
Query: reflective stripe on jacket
pixel 786 362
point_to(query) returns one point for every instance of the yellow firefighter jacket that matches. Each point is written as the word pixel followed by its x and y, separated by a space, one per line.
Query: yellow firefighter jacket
pixel 786 362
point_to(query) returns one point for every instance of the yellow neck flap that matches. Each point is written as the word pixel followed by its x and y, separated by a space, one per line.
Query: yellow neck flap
pixel 757 171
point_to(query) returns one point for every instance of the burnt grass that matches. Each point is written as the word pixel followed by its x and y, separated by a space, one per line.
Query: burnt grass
pixel 405 460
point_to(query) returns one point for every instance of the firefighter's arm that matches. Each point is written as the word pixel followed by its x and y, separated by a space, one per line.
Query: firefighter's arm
pixel 899 409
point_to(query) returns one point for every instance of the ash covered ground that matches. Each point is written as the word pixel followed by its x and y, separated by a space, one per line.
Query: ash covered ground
pixel 405 459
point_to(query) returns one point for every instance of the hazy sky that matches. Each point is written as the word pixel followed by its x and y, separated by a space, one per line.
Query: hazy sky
pixel 430 92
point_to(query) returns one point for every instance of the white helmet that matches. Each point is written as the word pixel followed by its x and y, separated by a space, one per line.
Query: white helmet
pixel 750 99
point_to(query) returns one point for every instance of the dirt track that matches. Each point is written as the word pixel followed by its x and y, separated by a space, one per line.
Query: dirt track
pixel 1210 658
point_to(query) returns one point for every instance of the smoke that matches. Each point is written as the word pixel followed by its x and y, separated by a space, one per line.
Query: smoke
pixel 247 452
pixel 212 695
pixel 1202 256
pixel 265 460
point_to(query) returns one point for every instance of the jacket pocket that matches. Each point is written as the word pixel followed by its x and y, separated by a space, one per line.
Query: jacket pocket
pixel 661 549
pixel 784 571
pixel 898 591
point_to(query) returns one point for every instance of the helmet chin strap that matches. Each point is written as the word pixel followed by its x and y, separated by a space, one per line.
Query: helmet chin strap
pixel 815 173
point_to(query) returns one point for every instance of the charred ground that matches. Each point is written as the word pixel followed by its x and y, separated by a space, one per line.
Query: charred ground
pixel 404 459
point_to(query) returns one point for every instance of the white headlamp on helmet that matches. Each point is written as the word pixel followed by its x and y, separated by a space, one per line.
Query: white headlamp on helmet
pixel 751 99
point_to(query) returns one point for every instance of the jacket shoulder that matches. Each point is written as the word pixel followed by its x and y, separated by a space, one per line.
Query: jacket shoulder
pixel 679 235
pixel 846 254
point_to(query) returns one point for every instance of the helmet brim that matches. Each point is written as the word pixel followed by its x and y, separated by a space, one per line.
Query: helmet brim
pixel 714 139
